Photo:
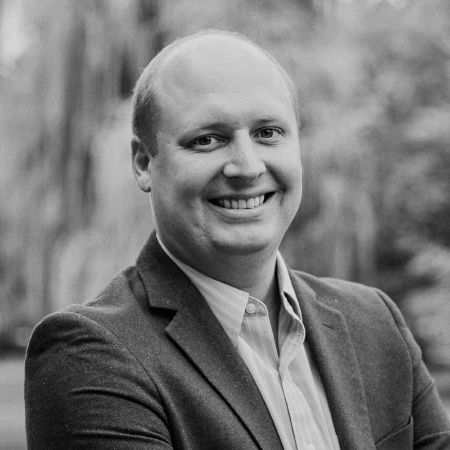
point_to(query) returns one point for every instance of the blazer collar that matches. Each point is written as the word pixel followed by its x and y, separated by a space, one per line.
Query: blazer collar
pixel 197 332
pixel 165 283
pixel 333 354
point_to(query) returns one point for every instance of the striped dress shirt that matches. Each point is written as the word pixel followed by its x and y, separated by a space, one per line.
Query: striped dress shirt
pixel 288 381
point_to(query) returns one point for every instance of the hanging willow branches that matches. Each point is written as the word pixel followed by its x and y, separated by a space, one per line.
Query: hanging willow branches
pixel 82 57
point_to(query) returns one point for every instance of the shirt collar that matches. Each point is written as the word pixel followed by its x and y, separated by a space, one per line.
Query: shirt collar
pixel 286 288
pixel 227 302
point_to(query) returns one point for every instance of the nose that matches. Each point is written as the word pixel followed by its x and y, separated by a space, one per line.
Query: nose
pixel 244 161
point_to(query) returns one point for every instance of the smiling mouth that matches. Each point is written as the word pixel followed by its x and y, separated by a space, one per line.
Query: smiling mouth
pixel 234 203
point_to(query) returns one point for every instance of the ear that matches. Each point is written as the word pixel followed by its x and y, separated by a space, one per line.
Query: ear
pixel 140 158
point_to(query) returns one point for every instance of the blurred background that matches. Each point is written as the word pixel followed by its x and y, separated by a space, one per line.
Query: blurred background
pixel 373 79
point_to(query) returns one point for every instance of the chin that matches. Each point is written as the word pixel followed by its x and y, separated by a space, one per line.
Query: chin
pixel 243 246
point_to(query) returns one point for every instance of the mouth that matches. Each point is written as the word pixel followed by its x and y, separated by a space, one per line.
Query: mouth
pixel 239 203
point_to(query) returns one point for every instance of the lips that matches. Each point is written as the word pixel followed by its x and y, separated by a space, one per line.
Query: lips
pixel 235 203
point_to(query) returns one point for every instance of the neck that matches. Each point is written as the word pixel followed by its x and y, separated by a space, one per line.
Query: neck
pixel 259 280
pixel 254 273
pixel 249 273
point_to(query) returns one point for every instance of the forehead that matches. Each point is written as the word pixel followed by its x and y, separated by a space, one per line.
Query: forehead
pixel 219 65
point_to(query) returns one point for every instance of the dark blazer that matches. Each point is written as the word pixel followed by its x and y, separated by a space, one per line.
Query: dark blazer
pixel 147 365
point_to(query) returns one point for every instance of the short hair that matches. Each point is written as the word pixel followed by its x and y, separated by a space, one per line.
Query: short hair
pixel 146 109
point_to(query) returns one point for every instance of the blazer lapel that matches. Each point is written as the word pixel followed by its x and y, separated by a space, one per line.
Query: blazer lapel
pixel 334 357
pixel 200 336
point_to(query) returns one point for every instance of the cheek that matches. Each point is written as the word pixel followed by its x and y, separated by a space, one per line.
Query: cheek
pixel 178 191
pixel 193 177
pixel 289 170
pixel 171 177
pixel 290 177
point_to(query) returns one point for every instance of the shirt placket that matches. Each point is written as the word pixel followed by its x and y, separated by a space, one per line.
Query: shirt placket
pixel 258 323
pixel 257 333
pixel 307 432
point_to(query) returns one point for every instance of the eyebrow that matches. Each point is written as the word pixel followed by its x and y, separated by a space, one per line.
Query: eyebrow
pixel 271 120
pixel 206 125
pixel 223 124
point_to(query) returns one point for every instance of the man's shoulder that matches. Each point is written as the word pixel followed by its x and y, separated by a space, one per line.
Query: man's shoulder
pixel 116 293
pixel 351 298
pixel 326 286
pixel 370 316
pixel 119 315
pixel 115 303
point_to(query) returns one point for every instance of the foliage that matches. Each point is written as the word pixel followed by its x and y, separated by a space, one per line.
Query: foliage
pixel 57 93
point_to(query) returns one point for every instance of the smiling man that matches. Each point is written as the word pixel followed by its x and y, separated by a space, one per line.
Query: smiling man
pixel 210 341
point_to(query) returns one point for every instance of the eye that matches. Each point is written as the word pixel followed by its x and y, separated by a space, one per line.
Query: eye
pixel 268 134
pixel 206 143
pixel 205 140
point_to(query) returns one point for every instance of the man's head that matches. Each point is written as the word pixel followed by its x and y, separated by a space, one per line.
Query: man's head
pixel 226 176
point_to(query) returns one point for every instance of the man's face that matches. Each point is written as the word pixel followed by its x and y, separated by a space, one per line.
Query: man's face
pixel 227 176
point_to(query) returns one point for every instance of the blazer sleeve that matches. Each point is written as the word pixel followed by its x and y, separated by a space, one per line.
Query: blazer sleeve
pixel 84 389
pixel 429 419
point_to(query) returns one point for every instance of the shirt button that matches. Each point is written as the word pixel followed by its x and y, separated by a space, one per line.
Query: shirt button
pixel 250 308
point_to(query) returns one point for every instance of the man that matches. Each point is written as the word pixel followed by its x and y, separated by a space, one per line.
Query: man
pixel 210 341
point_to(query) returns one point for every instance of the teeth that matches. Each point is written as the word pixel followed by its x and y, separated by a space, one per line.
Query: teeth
pixel 241 204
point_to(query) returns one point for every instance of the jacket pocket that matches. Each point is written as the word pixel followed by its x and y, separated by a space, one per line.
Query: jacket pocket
pixel 400 440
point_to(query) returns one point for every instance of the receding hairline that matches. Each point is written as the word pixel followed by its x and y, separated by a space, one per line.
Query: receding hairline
pixel 155 65
pixel 177 48
pixel 146 89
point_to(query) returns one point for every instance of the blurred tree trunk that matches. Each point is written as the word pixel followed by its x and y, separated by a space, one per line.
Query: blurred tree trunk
pixel 319 8
pixel 310 5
